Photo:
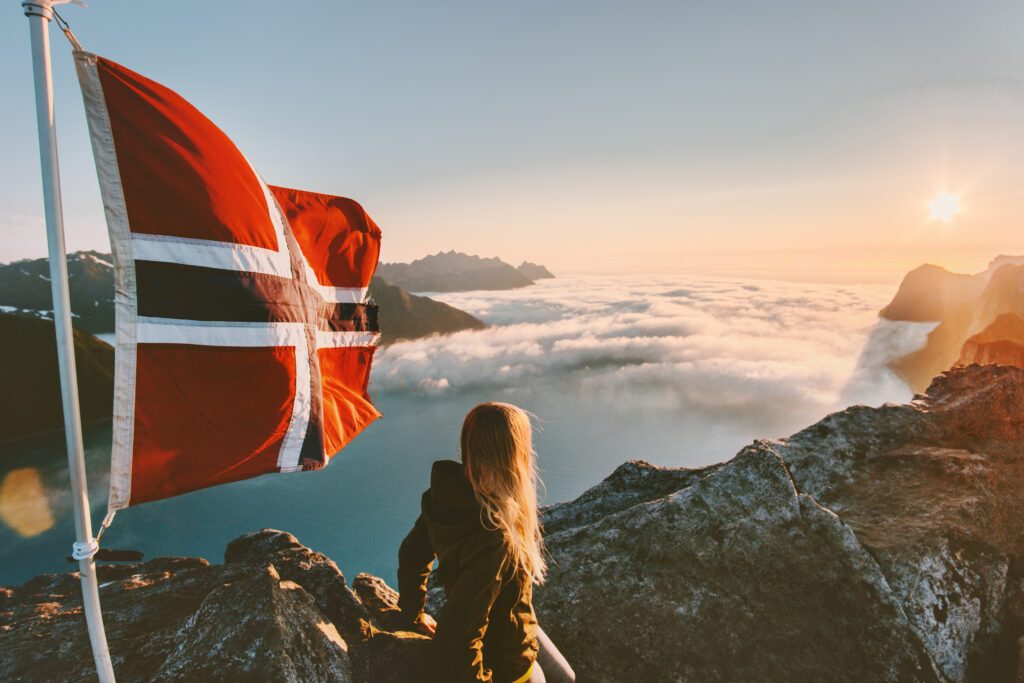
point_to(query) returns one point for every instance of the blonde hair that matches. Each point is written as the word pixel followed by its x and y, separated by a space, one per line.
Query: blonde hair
pixel 497 452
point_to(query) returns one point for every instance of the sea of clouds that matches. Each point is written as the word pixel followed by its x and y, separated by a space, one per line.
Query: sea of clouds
pixel 677 371
pixel 764 351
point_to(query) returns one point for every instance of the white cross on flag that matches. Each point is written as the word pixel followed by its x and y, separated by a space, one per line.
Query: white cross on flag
pixel 244 333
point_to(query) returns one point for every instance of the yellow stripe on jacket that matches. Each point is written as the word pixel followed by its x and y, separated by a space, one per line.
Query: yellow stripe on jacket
pixel 526 676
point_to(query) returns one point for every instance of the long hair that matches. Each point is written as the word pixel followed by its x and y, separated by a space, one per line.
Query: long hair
pixel 497 452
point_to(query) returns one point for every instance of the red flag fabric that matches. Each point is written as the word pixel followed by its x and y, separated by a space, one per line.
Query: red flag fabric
pixel 244 332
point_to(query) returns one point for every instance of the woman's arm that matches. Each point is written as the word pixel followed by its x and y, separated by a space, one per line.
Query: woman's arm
pixel 415 557
pixel 458 643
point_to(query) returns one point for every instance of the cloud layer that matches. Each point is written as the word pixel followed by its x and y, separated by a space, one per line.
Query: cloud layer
pixel 757 350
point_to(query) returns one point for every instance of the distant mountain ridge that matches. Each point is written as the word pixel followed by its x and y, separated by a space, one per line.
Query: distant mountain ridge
pixel 979 318
pixel 534 271
pixel 25 291
pixel 452 271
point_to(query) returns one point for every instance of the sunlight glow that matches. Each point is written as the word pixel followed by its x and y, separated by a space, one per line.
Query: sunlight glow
pixel 944 207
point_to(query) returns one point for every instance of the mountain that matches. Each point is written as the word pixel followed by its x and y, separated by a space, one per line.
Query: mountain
pixel 30 402
pixel 880 544
pixel 931 292
pixel 534 271
pixel 1004 259
pixel 407 316
pixel 1001 343
pixel 453 272
pixel 25 290
pixel 962 306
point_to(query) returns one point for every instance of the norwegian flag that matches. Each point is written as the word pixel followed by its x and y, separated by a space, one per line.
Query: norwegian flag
pixel 244 333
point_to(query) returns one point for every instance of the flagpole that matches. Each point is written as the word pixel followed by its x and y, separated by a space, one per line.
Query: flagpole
pixel 39 13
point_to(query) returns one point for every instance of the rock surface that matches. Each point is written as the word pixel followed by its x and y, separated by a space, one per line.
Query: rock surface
pixel 881 544
pixel 274 611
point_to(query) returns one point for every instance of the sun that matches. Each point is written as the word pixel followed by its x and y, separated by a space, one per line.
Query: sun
pixel 944 207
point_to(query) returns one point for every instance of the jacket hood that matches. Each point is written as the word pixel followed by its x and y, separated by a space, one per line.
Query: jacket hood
pixel 450 504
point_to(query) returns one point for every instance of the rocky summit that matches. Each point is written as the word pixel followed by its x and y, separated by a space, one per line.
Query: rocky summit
pixel 880 544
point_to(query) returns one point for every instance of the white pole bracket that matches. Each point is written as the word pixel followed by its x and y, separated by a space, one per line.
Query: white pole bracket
pixel 83 551
pixel 44 8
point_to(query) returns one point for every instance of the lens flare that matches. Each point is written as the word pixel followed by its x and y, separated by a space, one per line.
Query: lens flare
pixel 24 506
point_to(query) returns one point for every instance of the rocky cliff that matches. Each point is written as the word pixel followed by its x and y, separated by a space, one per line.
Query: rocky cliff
pixel 881 544
pixel 961 306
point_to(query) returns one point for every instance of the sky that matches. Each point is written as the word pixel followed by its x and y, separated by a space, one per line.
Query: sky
pixel 790 140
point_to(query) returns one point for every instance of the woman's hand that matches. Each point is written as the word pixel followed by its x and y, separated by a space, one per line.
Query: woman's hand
pixel 424 624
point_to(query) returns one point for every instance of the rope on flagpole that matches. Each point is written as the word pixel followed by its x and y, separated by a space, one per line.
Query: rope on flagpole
pixel 66 27
pixel 45 9
pixel 106 523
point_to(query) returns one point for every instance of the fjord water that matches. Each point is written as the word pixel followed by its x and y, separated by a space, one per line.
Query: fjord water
pixel 674 370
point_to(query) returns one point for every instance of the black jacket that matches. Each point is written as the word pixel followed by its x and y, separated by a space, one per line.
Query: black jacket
pixel 487 630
